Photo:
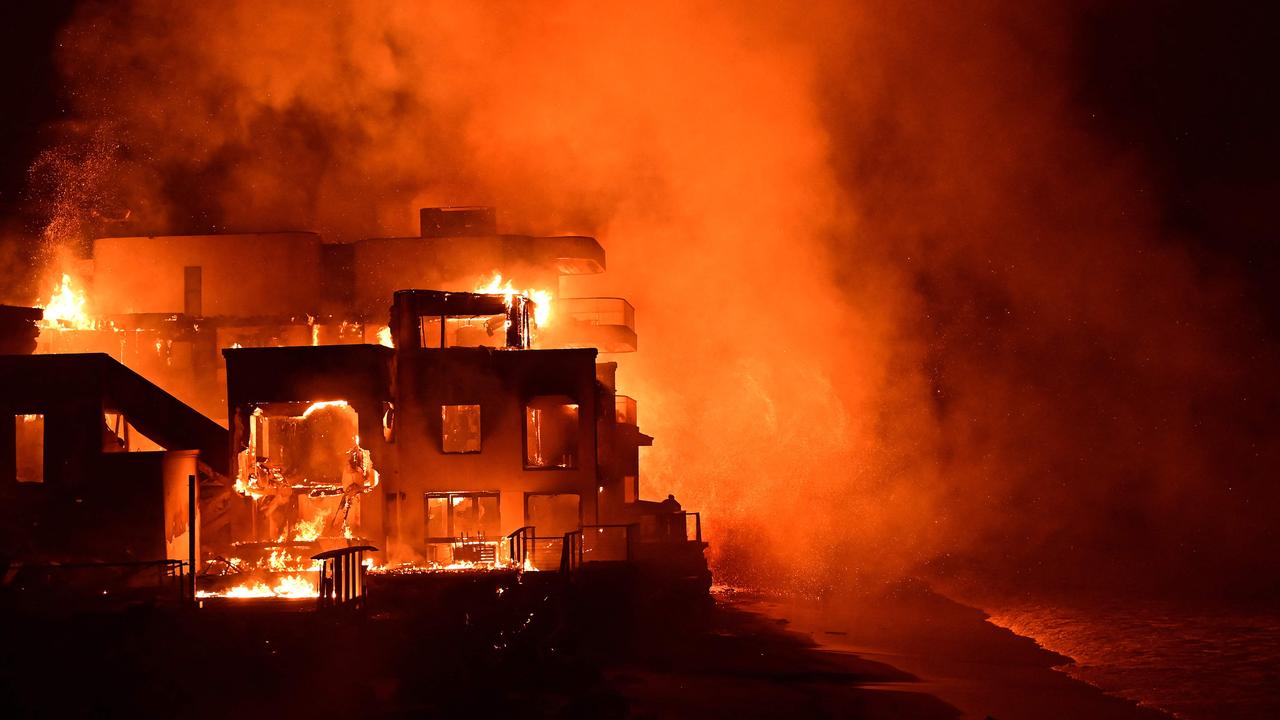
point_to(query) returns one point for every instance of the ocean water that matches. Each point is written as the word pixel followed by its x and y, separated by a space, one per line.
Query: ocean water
pixel 1194 664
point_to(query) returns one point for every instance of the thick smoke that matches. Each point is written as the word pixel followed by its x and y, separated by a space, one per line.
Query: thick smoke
pixel 900 310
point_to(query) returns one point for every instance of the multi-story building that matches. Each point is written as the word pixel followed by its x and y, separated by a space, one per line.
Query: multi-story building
pixel 462 427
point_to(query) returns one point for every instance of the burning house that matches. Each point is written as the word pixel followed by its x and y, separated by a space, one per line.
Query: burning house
pixel 398 395
pixel 98 482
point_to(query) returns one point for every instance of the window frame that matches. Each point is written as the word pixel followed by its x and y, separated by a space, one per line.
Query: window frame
pixel 42 461
pixel 524 434
pixel 448 496
pixel 479 428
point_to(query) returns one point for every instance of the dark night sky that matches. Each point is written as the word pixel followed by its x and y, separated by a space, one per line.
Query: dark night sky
pixel 1189 86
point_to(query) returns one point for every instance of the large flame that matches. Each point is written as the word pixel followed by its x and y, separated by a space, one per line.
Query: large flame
pixel 65 308
pixel 308 530
pixel 288 586
pixel 384 336
pixel 541 298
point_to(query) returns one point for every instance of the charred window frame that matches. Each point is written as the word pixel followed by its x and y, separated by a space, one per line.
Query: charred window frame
pixel 450 516
pixel 551 433
pixel 431 331
pixel 460 429
pixel 444 331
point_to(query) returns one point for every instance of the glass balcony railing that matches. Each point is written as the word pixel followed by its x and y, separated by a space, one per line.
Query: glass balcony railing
pixel 625 410
pixel 607 324
pixel 599 311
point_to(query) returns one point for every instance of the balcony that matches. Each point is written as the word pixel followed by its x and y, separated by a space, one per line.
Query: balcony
pixel 625 410
pixel 607 324
pixel 571 254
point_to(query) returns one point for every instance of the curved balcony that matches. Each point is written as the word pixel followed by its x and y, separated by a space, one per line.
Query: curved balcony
pixel 607 324
pixel 572 254
pixel 624 410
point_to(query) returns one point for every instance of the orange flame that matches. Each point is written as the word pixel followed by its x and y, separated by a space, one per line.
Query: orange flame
pixel 65 308
pixel 384 336
pixel 289 586
pixel 541 298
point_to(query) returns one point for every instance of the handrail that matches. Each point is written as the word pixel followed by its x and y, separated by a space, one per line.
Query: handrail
pixel 518 545
pixel 342 577
pixel 571 552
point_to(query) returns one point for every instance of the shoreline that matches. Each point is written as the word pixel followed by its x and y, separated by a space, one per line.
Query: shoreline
pixel 980 669
pixel 743 664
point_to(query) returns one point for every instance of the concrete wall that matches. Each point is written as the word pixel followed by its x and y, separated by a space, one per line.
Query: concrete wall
pixel 501 382
pixel 241 275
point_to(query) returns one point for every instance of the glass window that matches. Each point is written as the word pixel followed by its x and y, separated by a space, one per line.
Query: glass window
pixel 453 516
pixel 29 447
pixel 476 330
pixel 475 516
pixel 460 428
pixel 438 516
pixel 551 433
pixel 553 515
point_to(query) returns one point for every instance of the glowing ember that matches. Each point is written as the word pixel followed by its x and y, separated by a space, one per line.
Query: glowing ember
pixel 243 488
pixel 281 561
pixel 65 308
pixel 541 298
pixel 288 586
pixel 322 405
pixel 422 568
pixel 308 530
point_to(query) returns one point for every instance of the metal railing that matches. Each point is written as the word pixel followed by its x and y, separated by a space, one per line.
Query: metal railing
pixel 545 550
pixel 166 570
pixel 671 527
pixel 571 551
pixel 342 577
pixel 518 545
pixel 598 543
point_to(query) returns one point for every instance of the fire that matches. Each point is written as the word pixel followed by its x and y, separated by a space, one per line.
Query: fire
pixel 384 336
pixel 65 308
pixel 280 559
pixel 288 586
pixel 244 489
pixel 322 405
pixel 308 530
pixel 541 298
pixel 411 568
